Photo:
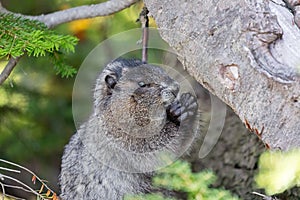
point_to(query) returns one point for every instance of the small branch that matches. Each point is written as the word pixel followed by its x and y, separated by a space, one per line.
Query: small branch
pixel 25 187
pixel 10 170
pixel 15 187
pixel 8 69
pixel 264 196
pixel 81 12
pixel 144 19
pixel 3 190
pixel 29 171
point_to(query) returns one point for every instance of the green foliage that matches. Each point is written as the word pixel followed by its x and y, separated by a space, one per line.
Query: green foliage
pixel 148 197
pixel 278 171
pixel 179 177
pixel 19 36
pixel 35 122
pixel 60 67
pixel 36 118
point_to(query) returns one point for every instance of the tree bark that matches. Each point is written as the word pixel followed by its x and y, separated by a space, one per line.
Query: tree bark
pixel 234 158
pixel 246 52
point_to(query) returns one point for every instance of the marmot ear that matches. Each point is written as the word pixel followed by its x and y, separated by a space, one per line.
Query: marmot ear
pixel 110 81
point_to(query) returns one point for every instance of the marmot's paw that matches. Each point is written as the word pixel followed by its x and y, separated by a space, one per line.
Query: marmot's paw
pixel 181 110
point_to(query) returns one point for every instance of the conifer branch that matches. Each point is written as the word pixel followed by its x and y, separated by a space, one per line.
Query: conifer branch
pixel 59 17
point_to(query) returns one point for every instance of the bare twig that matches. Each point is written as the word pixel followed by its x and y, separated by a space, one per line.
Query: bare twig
pixel 10 170
pixel 144 19
pixel 30 172
pixel 15 187
pixel 81 12
pixel 8 69
pixel 264 196
pixel 3 191
pixel 25 187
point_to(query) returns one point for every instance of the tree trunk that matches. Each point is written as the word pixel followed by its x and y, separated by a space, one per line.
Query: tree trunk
pixel 246 52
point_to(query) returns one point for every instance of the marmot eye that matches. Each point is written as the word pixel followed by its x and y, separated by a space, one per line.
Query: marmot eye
pixel 142 84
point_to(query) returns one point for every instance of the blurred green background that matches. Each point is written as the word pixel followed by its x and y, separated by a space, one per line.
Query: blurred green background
pixel 36 104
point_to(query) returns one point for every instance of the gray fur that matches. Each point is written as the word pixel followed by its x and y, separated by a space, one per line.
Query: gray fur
pixel 135 118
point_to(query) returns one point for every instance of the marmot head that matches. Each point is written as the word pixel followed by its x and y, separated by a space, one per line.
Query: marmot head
pixel 133 97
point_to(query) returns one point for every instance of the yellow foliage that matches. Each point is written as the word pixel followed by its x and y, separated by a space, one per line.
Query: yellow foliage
pixel 278 171
pixel 80 25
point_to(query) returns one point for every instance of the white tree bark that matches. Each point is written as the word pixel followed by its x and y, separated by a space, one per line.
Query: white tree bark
pixel 247 52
